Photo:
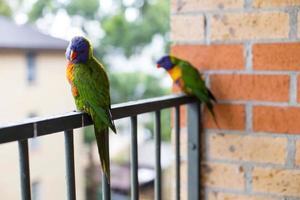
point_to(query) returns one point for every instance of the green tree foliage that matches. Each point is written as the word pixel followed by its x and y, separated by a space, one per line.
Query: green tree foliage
pixel 120 34
pixel 135 85
pixel 152 20
pixel 40 8
pixel 84 8
pixel 5 9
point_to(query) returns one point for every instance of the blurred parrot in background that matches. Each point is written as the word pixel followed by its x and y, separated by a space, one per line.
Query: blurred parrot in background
pixel 189 80
pixel 90 89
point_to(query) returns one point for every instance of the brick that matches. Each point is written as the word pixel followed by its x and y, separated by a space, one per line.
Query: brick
pixel 246 26
pixel 297 155
pixel 212 57
pixel 276 119
pixel 228 116
pixel 225 196
pixel 275 3
pixel 279 56
pixel 196 5
pixel 187 27
pixel 223 176
pixel 248 148
pixel 276 181
pixel 251 87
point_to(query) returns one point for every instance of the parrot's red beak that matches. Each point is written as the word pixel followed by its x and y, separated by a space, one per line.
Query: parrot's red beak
pixel 73 55
pixel 158 66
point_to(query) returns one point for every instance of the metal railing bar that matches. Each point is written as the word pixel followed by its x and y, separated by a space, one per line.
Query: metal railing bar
pixel 24 170
pixel 149 105
pixel 194 135
pixel 44 126
pixel 70 165
pixel 177 152
pixel 134 160
pixel 73 120
pixel 157 138
pixel 105 181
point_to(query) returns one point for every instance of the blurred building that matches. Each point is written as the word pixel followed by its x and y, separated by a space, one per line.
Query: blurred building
pixel 33 83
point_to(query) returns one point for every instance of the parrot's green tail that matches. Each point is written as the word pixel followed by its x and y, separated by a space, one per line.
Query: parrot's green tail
pixel 103 150
pixel 212 112
pixel 208 99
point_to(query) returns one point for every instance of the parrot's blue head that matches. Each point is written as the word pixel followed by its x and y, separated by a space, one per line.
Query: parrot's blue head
pixel 165 62
pixel 79 50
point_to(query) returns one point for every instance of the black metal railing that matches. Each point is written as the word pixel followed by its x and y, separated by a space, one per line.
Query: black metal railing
pixel 21 132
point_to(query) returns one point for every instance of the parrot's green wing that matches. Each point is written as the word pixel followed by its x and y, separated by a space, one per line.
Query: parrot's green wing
pixel 92 84
pixel 194 83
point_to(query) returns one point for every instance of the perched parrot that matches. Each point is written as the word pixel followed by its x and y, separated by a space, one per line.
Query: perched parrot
pixel 90 89
pixel 189 80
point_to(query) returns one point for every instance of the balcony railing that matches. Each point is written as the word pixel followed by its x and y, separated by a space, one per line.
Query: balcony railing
pixel 21 132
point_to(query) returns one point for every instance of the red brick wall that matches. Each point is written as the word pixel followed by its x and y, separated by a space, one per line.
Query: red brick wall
pixel 249 52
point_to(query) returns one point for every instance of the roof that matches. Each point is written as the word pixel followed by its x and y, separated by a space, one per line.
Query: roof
pixel 25 37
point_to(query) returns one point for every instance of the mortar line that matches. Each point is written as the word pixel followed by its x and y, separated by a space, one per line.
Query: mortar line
pixel 248 178
pixel 258 103
pixel 248 4
pixel 293 17
pixel 293 89
pixel 249 117
pixel 207 80
pixel 291 152
pixel 256 134
pixel 252 164
pixel 244 10
pixel 207 31
pixel 226 191
pixel 248 56
pixel 254 72
pixel 239 192
pixel 207 146
pixel 238 42
pixel 291 198
pixel 204 147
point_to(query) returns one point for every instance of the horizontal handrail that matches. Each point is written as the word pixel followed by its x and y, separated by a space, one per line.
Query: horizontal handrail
pixel 47 125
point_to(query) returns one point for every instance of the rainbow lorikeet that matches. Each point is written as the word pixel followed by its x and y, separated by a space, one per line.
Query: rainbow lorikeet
pixel 90 89
pixel 188 78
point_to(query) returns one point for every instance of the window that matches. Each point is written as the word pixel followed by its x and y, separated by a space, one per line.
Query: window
pixel 31 67
pixel 36 190
pixel 34 143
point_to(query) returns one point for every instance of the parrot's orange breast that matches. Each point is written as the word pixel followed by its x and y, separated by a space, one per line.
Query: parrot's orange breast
pixel 70 77
pixel 70 72
pixel 175 73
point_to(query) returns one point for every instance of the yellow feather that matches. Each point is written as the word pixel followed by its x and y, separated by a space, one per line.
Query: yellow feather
pixel 175 73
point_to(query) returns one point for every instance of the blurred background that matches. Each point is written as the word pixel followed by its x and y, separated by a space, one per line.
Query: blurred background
pixel 128 37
